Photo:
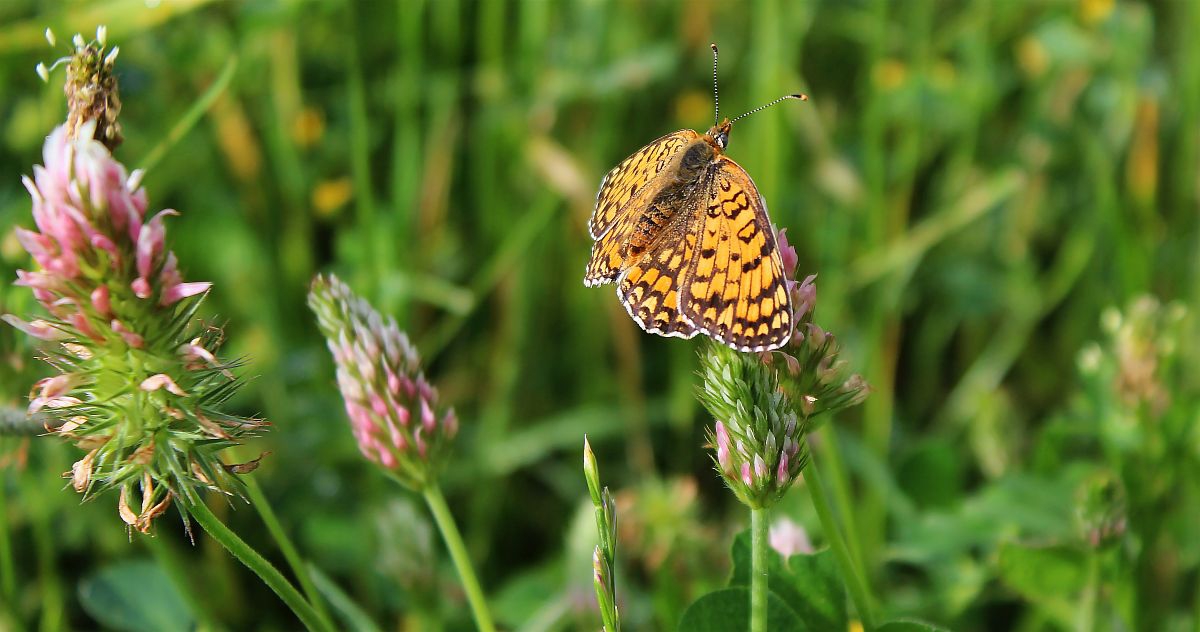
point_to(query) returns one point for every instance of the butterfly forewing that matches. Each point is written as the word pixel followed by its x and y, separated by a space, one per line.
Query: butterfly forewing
pixel 631 176
pixel 736 288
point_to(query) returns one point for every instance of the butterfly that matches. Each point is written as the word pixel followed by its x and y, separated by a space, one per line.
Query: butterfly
pixel 682 231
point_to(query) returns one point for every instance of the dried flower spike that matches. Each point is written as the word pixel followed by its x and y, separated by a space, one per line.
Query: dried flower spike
pixel 394 412
pixel 91 86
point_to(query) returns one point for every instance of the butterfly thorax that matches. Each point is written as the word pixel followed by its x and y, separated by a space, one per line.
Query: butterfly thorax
pixel 678 182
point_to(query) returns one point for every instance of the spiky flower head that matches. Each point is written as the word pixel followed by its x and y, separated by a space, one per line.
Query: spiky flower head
pixel 765 404
pixel 758 437
pixel 138 387
pixel 815 376
pixel 394 411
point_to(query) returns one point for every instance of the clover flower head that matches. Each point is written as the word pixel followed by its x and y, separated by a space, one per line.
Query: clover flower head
pixel 137 388
pixel 394 411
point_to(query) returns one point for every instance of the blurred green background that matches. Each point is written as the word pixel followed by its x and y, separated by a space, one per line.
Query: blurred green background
pixel 975 182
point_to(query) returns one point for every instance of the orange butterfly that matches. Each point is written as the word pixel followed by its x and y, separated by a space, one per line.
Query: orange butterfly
pixel 684 233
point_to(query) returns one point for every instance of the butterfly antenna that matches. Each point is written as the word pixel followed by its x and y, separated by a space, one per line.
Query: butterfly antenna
pixel 802 97
pixel 716 99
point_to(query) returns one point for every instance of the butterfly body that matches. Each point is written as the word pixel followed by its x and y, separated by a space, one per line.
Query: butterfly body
pixel 683 232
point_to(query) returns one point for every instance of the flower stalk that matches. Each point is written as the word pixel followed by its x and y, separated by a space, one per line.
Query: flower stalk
pixel 257 563
pixel 765 405
pixel 604 556
pixel 395 413
pixel 759 545
pixel 859 592
pixel 458 553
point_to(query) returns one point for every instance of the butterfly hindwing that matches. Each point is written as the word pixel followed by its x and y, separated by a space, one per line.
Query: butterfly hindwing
pixel 736 288
pixel 650 287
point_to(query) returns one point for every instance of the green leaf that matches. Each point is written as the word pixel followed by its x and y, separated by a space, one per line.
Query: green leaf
pixel 808 584
pixel 728 610
pixel 823 593
pixel 135 595
pixel 1040 572
pixel 1051 577
pixel 909 625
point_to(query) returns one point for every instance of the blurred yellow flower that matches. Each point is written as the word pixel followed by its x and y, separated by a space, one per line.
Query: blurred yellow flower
pixel 331 195
pixel 1032 56
pixel 308 127
pixel 1092 12
pixel 890 74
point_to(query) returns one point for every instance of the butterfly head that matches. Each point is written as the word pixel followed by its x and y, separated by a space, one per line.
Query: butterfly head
pixel 718 135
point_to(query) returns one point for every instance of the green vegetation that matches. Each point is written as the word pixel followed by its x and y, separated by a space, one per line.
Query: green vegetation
pixel 989 191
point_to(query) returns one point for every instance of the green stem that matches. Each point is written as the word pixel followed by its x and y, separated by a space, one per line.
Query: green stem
pixel 299 568
pixel 257 563
pixel 1090 603
pixel 8 610
pixel 853 577
pixel 841 491
pixel 191 117
pixel 759 519
pixel 458 552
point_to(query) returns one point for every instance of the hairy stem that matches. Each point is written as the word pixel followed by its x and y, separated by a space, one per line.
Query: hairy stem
pixel 257 563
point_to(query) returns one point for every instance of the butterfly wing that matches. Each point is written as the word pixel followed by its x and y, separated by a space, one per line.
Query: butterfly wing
pixel 624 195
pixel 736 288
pixel 649 288
pixel 630 176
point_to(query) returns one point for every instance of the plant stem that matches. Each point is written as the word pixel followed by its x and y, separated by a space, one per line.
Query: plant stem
pixel 841 492
pixel 257 563
pixel 853 577
pixel 8 610
pixel 458 552
pixel 191 117
pixel 299 568
pixel 759 519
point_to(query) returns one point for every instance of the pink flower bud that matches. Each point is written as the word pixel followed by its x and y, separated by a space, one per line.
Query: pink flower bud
pixel 760 467
pixel 804 296
pixel 781 473
pixel 428 419
pixel 141 288
pixel 130 338
pixel 747 478
pixel 84 326
pixel 787 253
pixel 174 293
pixel 150 243
pixel 723 447
pixel 100 301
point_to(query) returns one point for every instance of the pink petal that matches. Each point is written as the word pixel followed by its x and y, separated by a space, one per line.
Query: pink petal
pixel 130 338
pixel 162 380
pixel 101 302
pixel 38 328
pixel 180 291
pixel 150 242
pixel 141 287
